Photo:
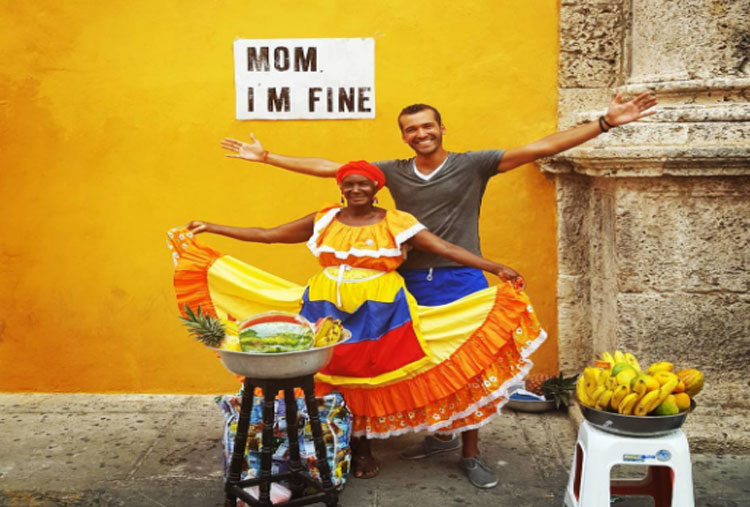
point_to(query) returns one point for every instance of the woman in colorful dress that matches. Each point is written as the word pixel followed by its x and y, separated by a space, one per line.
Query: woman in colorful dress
pixel 406 368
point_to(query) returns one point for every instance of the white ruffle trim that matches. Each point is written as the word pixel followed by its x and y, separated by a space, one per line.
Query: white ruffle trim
pixel 409 233
pixel 326 220
pixel 321 224
pixel 500 392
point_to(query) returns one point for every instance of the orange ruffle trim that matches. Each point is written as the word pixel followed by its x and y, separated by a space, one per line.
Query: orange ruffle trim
pixel 465 386
pixel 191 272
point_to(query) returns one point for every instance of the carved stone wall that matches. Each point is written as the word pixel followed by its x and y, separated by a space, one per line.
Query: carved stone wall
pixel 654 217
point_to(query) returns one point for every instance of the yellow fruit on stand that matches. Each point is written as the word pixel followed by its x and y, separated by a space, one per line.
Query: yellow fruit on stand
pixel 591 381
pixel 618 395
pixel 667 407
pixel 664 391
pixel 602 403
pixel 617 383
pixel 598 392
pixel 663 376
pixel 583 396
pixel 683 401
pixel 632 361
pixel 693 380
pixel 329 331
pixel 643 384
pixel 628 404
pixel 231 342
pixel 660 366
pixel 620 367
pixel 626 376
pixel 649 399
pixel 619 357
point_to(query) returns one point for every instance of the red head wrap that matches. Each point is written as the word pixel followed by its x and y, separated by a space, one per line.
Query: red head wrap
pixel 362 168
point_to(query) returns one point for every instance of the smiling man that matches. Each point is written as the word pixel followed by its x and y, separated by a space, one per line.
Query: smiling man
pixel 444 191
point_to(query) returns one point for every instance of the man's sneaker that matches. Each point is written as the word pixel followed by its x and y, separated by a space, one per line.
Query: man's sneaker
pixel 479 474
pixel 429 446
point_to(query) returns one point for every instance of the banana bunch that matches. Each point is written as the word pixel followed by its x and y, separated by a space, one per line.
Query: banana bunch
pixel 328 331
pixel 617 383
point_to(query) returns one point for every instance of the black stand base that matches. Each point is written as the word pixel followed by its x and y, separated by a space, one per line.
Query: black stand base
pixel 325 492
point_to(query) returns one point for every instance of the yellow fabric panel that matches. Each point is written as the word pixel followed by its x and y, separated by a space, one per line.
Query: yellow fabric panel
pixel 445 327
pixel 241 290
pixel 358 285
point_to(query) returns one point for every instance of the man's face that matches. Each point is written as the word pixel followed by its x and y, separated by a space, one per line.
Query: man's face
pixel 422 132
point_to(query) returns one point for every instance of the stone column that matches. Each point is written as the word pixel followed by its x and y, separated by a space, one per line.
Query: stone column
pixel 654 217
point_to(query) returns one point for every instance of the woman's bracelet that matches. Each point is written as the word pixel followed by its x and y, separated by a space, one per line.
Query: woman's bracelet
pixel 265 156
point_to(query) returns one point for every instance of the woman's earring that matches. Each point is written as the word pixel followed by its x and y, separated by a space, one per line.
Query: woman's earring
pixel 375 200
pixel 343 201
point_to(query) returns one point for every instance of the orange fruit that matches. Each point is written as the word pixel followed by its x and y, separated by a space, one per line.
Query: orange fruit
pixel 682 400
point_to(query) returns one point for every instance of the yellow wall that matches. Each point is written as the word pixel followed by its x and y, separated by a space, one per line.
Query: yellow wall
pixel 110 118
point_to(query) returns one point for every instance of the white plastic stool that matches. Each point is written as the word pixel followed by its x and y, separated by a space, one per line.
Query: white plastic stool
pixel 669 479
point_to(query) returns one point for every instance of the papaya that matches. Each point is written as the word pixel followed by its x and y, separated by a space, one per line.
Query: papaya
pixel 693 380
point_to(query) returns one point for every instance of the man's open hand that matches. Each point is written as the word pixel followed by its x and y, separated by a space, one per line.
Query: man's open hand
pixel 620 113
pixel 253 152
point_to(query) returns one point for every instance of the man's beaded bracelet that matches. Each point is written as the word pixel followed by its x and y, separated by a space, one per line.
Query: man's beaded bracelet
pixel 604 125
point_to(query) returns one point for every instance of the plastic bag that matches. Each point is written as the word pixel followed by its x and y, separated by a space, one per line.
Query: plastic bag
pixel 336 423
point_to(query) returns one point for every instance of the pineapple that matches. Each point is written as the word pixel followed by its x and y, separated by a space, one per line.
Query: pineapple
pixel 534 382
pixel 559 389
pixel 204 327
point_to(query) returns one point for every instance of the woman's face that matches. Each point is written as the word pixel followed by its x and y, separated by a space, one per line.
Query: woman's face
pixel 358 190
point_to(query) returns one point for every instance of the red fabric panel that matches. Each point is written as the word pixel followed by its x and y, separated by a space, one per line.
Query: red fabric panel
pixel 370 358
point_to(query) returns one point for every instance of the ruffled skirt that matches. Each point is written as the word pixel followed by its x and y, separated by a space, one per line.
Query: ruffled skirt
pixel 407 368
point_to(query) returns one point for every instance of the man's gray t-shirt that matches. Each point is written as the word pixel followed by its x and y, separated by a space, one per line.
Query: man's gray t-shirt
pixel 447 204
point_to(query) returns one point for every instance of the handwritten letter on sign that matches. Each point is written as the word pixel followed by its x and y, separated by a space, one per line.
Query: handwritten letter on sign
pixel 314 79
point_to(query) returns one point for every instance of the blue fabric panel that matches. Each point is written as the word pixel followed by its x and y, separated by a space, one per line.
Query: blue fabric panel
pixel 447 284
pixel 369 322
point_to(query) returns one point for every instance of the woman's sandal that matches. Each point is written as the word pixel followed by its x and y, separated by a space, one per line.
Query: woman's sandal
pixel 364 466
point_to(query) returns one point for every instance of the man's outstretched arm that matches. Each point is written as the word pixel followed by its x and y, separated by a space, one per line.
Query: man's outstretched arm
pixel 618 113
pixel 254 152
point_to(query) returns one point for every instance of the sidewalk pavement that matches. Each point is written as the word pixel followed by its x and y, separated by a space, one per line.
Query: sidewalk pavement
pixel 165 450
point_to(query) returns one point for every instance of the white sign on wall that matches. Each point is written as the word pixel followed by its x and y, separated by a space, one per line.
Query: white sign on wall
pixel 315 79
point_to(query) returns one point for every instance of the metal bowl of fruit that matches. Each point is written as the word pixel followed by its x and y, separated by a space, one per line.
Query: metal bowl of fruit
pixel 524 403
pixel 542 392
pixel 262 365
pixel 278 345
pixel 633 425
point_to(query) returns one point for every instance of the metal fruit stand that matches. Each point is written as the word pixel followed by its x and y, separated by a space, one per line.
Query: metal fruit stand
pixel 273 373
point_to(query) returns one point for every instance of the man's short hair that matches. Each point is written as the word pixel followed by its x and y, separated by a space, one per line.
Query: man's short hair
pixel 416 108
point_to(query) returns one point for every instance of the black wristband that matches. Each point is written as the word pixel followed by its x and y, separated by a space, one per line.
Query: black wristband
pixel 605 125
pixel 602 123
